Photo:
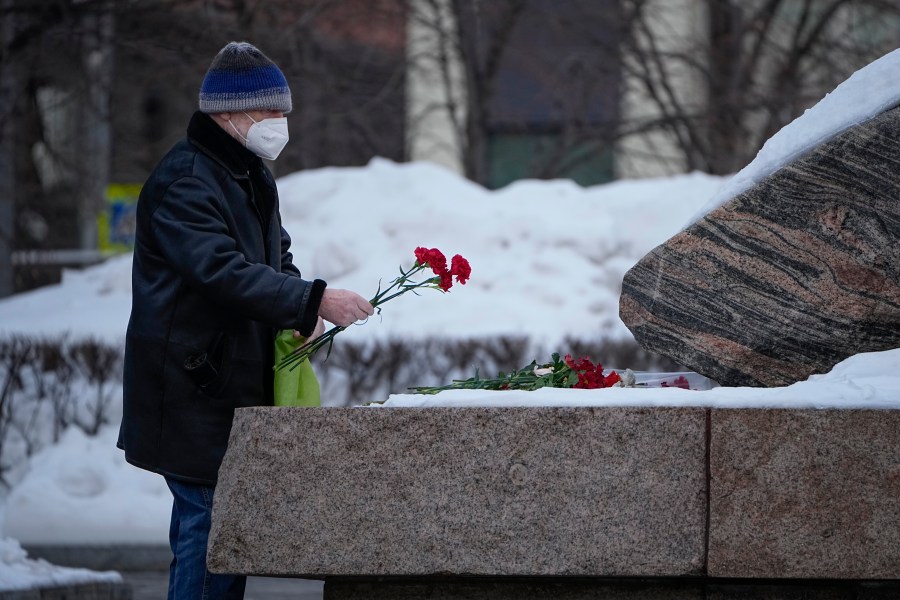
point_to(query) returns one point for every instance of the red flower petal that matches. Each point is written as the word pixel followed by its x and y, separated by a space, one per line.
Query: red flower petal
pixel 435 259
pixel 611 379
pixel 446 281
pixel 459 267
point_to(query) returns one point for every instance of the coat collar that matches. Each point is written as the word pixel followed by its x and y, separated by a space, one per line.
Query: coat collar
pixel 213 140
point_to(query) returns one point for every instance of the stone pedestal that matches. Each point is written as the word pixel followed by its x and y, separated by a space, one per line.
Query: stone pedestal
pixel 805 494
pixel 564 502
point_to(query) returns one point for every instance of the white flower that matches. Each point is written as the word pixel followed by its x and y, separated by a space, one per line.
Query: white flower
pixel 626 379
pixel 541 371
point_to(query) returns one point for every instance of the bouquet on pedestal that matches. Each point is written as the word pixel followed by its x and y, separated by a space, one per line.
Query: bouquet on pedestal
pixel 564 372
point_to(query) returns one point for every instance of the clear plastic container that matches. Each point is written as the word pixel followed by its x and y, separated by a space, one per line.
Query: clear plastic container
pixel 681 379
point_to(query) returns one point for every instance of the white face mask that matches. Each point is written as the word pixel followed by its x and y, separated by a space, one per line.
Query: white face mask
pixel 266 138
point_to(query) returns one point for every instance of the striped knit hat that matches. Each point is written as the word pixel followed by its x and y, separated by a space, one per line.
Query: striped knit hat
pixel 243 78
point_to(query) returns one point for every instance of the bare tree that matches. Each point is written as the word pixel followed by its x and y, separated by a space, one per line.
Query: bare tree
pixel 713 79
pixel 482 40
pixel 55 74
pixel 758 66
pixel 96 91
pixel 527 71
pixel 7 149
pixel 529 88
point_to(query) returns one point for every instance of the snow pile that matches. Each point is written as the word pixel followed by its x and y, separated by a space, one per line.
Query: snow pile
pixel 87 476
pixel 18 572
pixel 868 380
pixel 548 257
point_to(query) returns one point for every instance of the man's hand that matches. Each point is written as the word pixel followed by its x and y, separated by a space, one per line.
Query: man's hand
pixel 343 307
pixel 319 330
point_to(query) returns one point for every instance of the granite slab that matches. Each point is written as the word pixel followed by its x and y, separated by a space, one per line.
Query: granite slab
pixel 315 492
pixel 805 494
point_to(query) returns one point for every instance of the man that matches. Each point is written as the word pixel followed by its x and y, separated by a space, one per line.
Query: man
pixel 213 280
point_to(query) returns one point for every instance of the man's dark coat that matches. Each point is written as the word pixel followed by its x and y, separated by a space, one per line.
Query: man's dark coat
pixel 212 282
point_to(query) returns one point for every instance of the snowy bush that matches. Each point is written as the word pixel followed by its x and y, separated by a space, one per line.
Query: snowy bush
pixel 48 385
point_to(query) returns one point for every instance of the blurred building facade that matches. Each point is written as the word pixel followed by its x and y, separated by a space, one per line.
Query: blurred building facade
pixel 93 93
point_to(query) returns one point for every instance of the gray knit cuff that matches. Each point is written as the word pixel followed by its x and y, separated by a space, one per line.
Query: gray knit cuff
pixel 270 99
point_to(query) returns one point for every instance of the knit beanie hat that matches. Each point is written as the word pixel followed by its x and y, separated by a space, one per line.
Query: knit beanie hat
pixel 243 78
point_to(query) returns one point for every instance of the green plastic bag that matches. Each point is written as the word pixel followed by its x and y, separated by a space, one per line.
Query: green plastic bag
pixel 295 386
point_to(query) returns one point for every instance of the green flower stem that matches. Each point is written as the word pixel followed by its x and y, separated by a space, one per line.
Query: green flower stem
pixel 305 351
pixel 521 379
pixel 561 376
pixel 398 287
pixel 381 297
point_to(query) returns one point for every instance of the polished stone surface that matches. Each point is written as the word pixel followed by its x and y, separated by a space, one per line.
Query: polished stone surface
pixel 493 491
pixel 805 494
pixel 788 278
pixel 456 495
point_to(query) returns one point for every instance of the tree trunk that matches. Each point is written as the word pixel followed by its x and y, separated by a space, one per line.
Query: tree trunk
pixel 725 136
pixel 7 150
pixel 469 35
pixel 97 56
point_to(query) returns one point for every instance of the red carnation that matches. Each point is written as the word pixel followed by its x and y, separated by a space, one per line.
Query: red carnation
pixel 432 257
pixel 679 382
pixel 611 379
pixel 446 281
pixel 590 376
pixel 459 267
pixel 437 261
pixel 425 258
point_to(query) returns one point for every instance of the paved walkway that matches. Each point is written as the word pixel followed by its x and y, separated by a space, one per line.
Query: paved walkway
pixel 145 569
pixel 152 585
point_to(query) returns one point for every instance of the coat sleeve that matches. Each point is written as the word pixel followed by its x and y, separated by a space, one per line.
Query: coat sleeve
pixel 192 234
pixel 287 259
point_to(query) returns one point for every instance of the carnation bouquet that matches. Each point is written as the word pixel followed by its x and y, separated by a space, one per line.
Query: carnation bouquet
pixel 577 373
pixel 442 277
pixel 565 372
pixel 560 372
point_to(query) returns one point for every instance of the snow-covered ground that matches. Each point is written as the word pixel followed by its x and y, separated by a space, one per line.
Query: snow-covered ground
pixel 547 260
pixel 18 572
pixel 866 380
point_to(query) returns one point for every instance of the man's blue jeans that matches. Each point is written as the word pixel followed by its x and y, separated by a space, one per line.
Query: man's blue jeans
pixel 188 535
